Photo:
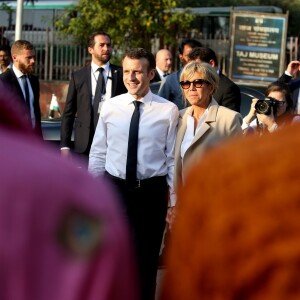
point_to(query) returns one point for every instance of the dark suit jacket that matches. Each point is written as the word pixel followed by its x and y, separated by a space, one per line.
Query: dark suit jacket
pixel 11 82
pixel 79 105
pixel 156 77
pixel 228 93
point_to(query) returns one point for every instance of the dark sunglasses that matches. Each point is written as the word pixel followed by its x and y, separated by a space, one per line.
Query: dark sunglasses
pixel 197 83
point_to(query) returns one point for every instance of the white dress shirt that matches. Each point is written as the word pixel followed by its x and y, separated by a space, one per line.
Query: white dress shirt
pixel 18 74
pixel 157 132
pixel 191 131
pixel 160 73
pixel 107 78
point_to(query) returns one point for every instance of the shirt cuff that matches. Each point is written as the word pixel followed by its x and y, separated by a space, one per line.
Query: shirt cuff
pixel 172 200
pixel 273 128
pixel 244 125
pixel 288 74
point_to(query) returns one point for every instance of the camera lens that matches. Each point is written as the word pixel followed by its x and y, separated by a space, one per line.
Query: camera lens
pixel 262 107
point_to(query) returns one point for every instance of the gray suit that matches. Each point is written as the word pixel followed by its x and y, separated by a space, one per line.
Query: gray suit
pixel 220 123
pixel 170 89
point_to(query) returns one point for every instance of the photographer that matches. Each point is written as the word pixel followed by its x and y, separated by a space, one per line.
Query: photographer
pixel 276 110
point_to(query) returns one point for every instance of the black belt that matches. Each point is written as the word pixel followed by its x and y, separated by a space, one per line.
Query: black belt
pixel 138 183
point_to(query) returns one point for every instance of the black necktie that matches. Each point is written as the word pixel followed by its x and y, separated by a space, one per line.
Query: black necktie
pixel 165 74
pixel 25 85
pixel 100 90
pixel 131 164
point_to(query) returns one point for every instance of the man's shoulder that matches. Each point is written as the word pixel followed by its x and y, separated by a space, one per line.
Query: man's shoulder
pixel 9 73
pixel 82 70
pixel 115 67
pixel 226 80
pixel 173 76
pixel 160 99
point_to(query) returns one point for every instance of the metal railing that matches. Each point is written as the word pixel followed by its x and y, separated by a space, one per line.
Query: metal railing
pixel 57 55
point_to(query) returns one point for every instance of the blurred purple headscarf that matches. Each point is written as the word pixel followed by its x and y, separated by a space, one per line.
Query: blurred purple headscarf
pixel 62 234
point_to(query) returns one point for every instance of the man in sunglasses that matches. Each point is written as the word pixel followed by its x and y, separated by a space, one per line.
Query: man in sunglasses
pixel 170 88
pixel 228 93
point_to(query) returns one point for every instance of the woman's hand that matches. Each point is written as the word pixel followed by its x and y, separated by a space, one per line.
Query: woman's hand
pixel 252 112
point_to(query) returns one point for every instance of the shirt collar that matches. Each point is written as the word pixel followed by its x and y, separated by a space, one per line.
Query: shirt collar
pixel 147 99
pixel 160 72
pixel 17 71
pixel 96 67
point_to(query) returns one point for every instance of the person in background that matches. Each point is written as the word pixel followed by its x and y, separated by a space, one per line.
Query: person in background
pixel 280 113
pixel 88 89
pixel 58 240
pixel 21 81
pixel 133 147
pixel 203 125
pixel 163 61
pixel 170 88
pixel 228 93
pixel 289 76
pixel 236 235
pixel 5 58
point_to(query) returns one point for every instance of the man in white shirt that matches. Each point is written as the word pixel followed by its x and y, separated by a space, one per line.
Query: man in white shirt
pixel 5 58
pixel 163 61
pixel 146 201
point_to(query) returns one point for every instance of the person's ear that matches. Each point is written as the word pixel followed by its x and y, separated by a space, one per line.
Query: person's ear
pixel 152 74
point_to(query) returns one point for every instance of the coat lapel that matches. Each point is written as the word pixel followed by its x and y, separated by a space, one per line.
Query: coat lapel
pixel 115 77
pixel 211 117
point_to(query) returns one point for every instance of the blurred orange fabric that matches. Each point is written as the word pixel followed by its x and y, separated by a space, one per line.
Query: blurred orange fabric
pixel 237 229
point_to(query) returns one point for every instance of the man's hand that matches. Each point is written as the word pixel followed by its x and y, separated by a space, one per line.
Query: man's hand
pixel 171 216
pixel 293 67
pixel 65 152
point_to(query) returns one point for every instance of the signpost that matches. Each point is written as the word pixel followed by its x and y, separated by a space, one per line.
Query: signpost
pixel 258 44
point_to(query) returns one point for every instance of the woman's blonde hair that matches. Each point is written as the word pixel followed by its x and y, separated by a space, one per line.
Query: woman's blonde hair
pixel 206 70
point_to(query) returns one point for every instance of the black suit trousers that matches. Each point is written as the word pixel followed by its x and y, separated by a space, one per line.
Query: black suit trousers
pixel 145 208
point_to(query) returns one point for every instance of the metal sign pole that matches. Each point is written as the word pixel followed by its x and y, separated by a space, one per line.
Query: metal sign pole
pixel 19 20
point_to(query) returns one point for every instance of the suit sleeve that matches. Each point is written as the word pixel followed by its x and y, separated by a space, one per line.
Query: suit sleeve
pixel 69 114
pixel 285 78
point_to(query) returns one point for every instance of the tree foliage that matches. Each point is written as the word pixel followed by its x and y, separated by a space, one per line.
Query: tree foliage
pixel 131 23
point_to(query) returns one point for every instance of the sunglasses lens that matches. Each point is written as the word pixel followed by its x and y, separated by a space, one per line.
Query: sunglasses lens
pixel 198 83
pixel 185 84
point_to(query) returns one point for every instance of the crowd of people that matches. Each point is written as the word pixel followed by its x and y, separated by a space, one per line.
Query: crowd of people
pixel 144 150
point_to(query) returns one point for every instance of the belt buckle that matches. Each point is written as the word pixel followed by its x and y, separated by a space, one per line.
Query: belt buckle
pixel 137 184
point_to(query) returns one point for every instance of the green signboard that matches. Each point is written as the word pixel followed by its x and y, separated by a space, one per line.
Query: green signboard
pixel 258 43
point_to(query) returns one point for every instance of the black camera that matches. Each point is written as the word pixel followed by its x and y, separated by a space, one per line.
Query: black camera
pixel 264 106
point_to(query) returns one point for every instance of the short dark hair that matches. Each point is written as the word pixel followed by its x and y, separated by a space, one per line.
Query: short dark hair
pixel 284 88
pixel 19 45
pixel 191 42
pixel 5 48
pixel 91 38
pixel 204 54
pixel 138 53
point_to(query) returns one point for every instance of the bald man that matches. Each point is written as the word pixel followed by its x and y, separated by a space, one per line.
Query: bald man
pixel 163 61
